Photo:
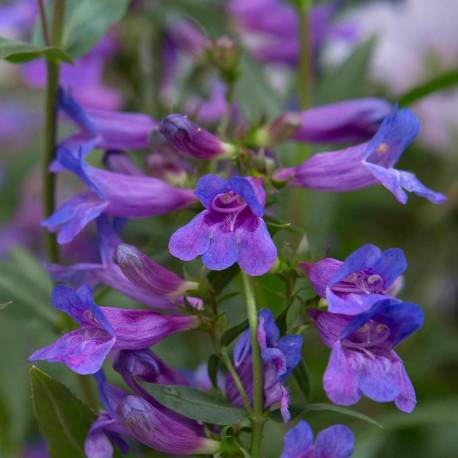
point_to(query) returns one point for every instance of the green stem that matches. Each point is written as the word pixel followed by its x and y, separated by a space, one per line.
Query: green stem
pixel 238 383
pixel 257 419
pixel 50 134
pixel 304 72
pixel 50 127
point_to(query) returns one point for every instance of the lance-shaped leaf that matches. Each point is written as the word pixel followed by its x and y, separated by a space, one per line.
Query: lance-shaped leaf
pixel 196 404
pixel 88 21
pixel 63 418
pixel 16 52
pixel 298 410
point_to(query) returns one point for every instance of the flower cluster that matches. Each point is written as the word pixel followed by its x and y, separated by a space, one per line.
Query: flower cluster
pixel 224 184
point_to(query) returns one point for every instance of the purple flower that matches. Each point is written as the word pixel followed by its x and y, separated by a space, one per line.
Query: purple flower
pixel 212 110
pixel 230 229
pixel 114 194
pixel 337 441
pixel 108 273
pixel 364 278
pixel 103 329
pixel 148 422
pixel 147 274
pixel 83 78
pixel 190 140
pixel 16 18
pixel 188 38
pixel 161 431
pixel 271 28
pixel 119 162
pixel 182 40
pixel 113 129
pixel 366 164
pixel 362 360
pixel 342 122
pixel 280 355
pixel 146 366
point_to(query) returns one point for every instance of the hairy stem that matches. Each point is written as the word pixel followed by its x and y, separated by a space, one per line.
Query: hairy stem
pixel 50 127
pixel 257 418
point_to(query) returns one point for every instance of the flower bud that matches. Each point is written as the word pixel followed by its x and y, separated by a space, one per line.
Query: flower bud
pixel 146 366
pixel 149 275
pixel 224 53
pixel 160 430
pixel 188 139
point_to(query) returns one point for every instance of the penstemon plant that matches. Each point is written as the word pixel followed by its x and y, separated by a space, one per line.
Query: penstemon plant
pixel 216 170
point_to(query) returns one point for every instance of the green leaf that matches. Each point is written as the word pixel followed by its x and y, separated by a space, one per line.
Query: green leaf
pixel 63 418
pixel 18 52
pixel 297 410
pixel 87 21
pixel 302 376
pixel 256 98
pixel 5 430
pixel 323 407
pixel 348 80
pixel 439 83
pixel 196 404
pixel 220 279
pixel 212 369
pixel 35 299
pixel 232 333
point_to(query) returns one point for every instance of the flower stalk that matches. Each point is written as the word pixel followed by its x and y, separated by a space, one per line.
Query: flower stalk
pixel 50 127
pixel 304 72
pixel 257 418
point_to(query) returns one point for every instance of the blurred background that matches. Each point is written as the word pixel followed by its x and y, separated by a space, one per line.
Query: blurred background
pixel 151 62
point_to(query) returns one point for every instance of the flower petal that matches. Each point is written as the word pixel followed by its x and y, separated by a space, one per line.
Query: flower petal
pixel 83 350
pixel 297 441
pixel 336 441
pixel 377 377
pixel 74 215
pixel 407 400
pixel 243 187
pixel 341 379
pixel 222 252
pixel 360 259
pixel 257 251
pixel 391 265
pixel 191 240
pixel 399 181
pixel 320 273
pixel 208 187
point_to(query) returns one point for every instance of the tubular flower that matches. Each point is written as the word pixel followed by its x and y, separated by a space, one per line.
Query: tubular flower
pixel 280 356
pixel 362 360
pixel 114 194
pixel 230 229
pixel 342 122
pixel 149 423
pixel 367 164
pixel 190 140
pixel 103 329
pixel 148 275
pixel 107 272
pixel 84 77
pixel 113 129
pixel 365 277
pixel 271 28
pixel 337 441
